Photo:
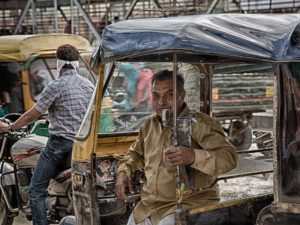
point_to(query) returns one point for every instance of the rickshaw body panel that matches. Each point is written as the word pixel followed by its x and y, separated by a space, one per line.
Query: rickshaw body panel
pixel 205 40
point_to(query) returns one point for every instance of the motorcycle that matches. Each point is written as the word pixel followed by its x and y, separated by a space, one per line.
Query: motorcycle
pixel 19 153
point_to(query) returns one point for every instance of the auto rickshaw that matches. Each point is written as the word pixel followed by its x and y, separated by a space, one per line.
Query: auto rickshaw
pixel 27 65
pixel 261 190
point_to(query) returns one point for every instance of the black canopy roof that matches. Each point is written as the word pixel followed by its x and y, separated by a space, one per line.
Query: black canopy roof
pixel 262 37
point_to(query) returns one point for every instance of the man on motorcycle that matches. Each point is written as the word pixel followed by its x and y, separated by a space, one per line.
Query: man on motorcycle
pixel 66 100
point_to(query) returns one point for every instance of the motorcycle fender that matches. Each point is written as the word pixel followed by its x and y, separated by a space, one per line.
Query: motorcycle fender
pixel 7 174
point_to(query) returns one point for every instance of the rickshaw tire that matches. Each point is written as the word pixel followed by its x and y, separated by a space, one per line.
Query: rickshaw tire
pixel 265 217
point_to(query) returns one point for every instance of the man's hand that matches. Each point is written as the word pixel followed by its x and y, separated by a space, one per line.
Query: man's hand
pixel 180 155
pixel 123 181
pixel 4 127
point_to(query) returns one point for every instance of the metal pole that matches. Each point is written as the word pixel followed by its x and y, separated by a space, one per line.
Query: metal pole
pixel 88 20
pixel 23 13
pixel 212 6
pixel 124 8
pixel 158 6
pixel 175 94
pixel 33 17
pixel 72 17
pixel 130 10
pixel 55 16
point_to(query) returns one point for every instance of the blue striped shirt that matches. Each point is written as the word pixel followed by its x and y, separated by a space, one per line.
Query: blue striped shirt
pixel 66 100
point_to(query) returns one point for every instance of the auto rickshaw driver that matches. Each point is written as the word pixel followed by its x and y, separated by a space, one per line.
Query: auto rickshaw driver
pixel 209 155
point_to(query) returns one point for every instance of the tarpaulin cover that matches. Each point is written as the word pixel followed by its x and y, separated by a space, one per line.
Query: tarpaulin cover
pixel 262 37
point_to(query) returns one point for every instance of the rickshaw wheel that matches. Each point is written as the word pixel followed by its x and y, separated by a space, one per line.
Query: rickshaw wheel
pixel 240 135
pixel 265 217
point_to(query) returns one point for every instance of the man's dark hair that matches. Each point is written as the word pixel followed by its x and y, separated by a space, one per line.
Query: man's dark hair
pixel 67 52
pixel 168 75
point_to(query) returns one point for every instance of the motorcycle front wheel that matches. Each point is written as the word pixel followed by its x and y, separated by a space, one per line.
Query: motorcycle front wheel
pixel 5 218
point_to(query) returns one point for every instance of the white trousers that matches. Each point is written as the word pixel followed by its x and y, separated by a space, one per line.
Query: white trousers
pixel 168 220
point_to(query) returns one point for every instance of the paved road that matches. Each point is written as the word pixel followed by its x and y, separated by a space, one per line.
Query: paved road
pixel 21 220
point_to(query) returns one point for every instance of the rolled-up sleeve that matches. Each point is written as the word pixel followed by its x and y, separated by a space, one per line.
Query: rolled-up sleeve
pixel 47 97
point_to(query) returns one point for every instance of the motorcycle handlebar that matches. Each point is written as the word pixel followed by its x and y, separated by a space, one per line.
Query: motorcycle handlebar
pixel 24 130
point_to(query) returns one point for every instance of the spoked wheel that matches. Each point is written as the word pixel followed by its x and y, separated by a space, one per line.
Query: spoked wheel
pixel 5 218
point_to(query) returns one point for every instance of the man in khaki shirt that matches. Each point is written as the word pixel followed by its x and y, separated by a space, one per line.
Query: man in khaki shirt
pixel 210 155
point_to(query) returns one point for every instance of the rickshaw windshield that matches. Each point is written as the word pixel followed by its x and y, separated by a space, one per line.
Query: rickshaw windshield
pixel 127 100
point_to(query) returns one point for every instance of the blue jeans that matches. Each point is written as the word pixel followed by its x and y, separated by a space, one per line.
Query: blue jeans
pixel 55 157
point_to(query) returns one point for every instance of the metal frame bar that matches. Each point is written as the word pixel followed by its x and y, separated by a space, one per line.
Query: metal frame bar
pixel 130 10
pixel 87 20
pixel 21 17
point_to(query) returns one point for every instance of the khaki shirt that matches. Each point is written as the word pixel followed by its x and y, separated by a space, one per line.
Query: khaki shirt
pixel 214 155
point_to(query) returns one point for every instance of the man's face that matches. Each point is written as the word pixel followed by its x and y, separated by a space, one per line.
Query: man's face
pixel 162 96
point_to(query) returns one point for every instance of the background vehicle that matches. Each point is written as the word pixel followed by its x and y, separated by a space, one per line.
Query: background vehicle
pixel 18 156
pixel 196 45
pixel 28 64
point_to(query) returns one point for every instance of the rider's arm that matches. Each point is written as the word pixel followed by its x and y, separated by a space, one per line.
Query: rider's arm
pixel 132 161
pixel 27 118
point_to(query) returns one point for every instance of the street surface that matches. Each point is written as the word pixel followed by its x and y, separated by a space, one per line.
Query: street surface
pixel 21 220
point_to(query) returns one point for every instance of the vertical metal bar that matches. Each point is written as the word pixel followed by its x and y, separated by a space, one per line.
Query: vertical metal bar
pixel 55 16
pixel 78 20
pixel 33 17
pixel 175 64
pixel 174 128
pixel 106 13
pixel 158 6
pixel 23 13
pixel 212 6
pixel 4 141
pixel 72 17
pixel 88 9
pixel 124 8
pixel 130 10
pixel 88 20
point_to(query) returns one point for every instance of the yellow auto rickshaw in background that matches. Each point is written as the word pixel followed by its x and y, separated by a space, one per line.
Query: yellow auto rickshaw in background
pixel 28 64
